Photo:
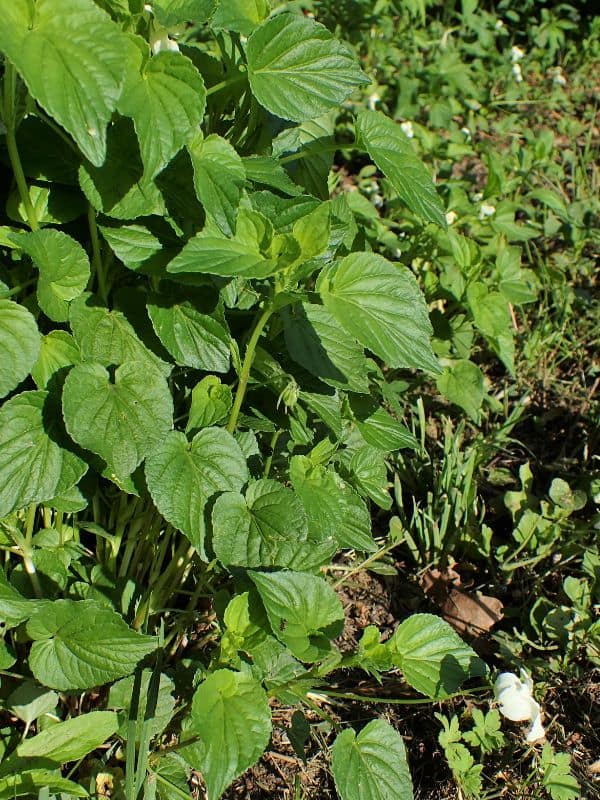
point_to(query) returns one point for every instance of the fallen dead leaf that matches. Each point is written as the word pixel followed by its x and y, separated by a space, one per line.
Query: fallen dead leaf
pixel 470 613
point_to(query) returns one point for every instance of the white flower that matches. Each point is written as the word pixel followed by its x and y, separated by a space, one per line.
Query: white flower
pixel 160 41
pixel 517 74
pixel 516 54
pixel 451 217
pixel 486 210
pixel 148 7
pixel 407 129
pixel 516 702
pixel 373 100
pixel 557 76
pixel 467 133
pixel 478 196
pixel 499 24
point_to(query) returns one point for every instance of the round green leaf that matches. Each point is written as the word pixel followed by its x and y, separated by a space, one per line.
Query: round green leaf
pixel 432 656
pixel 263 529
pixel 231 717
pixel 19 345
pixel 297 70
pixel 193 339
pixel 121 421
pixel 240 15
pixel 381 305
pixel 303 610
pixel 372 765
pixel 174 12
pixel 34 466
pixel 58 350
pixel 183 475
pixel 81 644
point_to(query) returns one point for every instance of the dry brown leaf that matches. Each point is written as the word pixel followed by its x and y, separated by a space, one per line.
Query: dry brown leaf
pixel 470 613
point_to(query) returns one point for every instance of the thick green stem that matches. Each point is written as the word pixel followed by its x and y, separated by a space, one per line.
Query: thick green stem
pixel 97 255
pixel 226 84
pixel 247 366
pixel 9 115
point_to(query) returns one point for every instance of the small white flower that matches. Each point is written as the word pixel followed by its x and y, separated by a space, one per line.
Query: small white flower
pixel 148 7
pixel 451 217
pixel 467 133
pixel 486 210
pixel 160 41
pixel 407 129
pixel 516 54
pixel 499 24
pixel 478 196
pixel 517 74
pixel 377 200
pixel 516 702
pixel 557 76
pixel 373 100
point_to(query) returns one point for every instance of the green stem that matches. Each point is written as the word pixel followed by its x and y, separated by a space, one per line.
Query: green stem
pixel 10 88
pixel 19 288
pixel 96 254
pixel 247 366
pixel 219 87
pixel 400 701
pixel 269 459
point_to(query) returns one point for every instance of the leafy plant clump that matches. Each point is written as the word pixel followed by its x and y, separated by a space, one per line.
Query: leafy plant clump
pixel 194 347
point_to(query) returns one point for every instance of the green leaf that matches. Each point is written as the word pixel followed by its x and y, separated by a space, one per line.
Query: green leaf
pixel 335 511
pixel 64 270
pixel 14 608
pixel 219 176
pixel 264 529
pixel 312 144
pixel 71 740
pixel 120 697
pixel 558 780
pixel 462 384
pixel 53 205
pixel 304 612
pixel 370 472
pixel 29 702
pixel 241 16
pixel 267 171
pixel 34 464
pixel 193 339
pixel 118 187
pixel 432 656
pixel 393 153
pixel 378 428
pixel 183 475
pixel 492 317
pixel 297 70
pixel 215 254
pixel 231 717
pixel 19 345
pixel 137 247
pixel 108 337
pixel 211 403
pixel 70 55
pixel 314 340
pixel 81 644
pixel 381 305
pixel 166 102
pixel 31 782
pixel 58 351
pixel 123 420
pixel 171 13
pixel 372 765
